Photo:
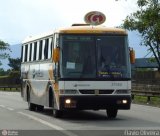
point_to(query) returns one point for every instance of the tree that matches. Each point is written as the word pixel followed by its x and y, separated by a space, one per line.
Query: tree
pixel 147 22
pixel 3 48
pixel 15 63
pixel 2 72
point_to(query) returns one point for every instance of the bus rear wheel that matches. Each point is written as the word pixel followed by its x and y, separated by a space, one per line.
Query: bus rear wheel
pixel 111 113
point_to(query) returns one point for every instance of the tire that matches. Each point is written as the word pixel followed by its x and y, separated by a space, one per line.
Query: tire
pixel 57 113
pixel 31 106
pixel 111 113
pixel 40 108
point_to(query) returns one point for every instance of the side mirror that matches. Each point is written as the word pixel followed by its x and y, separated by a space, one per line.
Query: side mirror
pixel 132 55
pixel 56 55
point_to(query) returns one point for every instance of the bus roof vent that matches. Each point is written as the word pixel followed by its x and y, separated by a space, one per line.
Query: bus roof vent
pixel 80 24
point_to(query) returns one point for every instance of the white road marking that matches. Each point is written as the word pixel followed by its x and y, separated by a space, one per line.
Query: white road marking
pixel 11 109
pixel 56 127
pixel 9 93
pixel 2 106
pixel 6 93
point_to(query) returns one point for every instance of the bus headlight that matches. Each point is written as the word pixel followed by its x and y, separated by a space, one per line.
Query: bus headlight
pixel 68 101
pixel 124 101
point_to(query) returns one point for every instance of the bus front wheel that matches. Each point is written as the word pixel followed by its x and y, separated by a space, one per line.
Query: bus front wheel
pixel 40 108
pixel 57 113
pixel 111 113
pixel 31 106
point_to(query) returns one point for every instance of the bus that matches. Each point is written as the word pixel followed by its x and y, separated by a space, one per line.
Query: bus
pixel 81 67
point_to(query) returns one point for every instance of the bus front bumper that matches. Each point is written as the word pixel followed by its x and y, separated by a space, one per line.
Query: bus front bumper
pixel 95 102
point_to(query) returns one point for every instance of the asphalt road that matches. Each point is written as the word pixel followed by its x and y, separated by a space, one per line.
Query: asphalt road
pixel 16 119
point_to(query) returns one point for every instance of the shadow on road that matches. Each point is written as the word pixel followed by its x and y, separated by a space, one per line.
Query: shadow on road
pixel 80 115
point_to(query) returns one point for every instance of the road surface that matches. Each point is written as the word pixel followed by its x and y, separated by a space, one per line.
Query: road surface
pixel 16 119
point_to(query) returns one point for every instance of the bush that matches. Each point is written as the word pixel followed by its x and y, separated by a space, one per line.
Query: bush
pixel 14 74
pixel 12 79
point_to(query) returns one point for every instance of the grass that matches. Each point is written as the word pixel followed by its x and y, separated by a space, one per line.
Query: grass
pixel 3 77
pixel 154 101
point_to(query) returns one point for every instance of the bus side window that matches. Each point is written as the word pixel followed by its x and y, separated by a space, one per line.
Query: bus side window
pixel 26 53
pixel 43 46
pixel 40 49
pixel 50 47
pixel 30 54
pixel 35 50
pixel 46 49
pixel 22 53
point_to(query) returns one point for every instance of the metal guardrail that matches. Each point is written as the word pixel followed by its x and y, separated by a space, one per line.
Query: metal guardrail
pixel 145 90
pixel 137 90
pixel 10 87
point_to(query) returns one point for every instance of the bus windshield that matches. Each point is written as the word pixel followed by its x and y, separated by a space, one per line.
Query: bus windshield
pixel 103 57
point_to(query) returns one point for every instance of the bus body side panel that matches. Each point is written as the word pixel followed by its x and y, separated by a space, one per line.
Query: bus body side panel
pixel 38 78
pixel 24 77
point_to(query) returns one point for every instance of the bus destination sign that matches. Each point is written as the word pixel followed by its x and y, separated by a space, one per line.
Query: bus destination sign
pixel 94 18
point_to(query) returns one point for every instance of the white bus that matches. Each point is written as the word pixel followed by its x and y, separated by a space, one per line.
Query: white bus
pixel 77 68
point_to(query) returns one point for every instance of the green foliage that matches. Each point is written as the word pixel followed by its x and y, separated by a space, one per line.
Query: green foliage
pixel 13 78
pixel 155 101
pixel 152 60
pixel 14 74
pixel 3 48
pixel 9 81
pixel 15 63
pixel 147 22
pixel 3 72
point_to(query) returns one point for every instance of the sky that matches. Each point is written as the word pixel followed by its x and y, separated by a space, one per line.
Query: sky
pixel 22 18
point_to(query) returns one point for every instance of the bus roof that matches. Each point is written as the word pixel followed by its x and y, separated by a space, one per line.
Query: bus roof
pixel 78 30
pixel 91 30
pixel 40 36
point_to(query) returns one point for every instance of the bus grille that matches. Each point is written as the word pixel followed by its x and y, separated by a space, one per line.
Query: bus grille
pixel 87 91
pixel 95 91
